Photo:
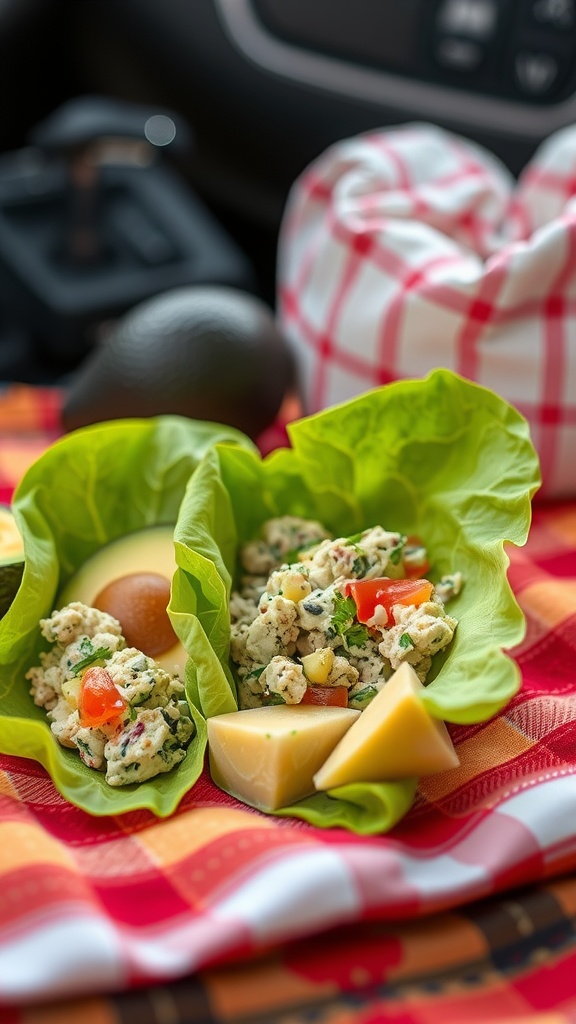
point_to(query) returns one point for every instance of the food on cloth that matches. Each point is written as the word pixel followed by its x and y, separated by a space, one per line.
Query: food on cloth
pixel 92 494
pixel 118 707
pixel 11 558
pixel 417 456
pixel 394 738
pixel 130 579
pixel 267 757
pixel 327 621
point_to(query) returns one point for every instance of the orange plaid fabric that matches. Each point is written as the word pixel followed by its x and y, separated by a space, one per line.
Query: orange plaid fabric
pixel 29 420
pixel 465 911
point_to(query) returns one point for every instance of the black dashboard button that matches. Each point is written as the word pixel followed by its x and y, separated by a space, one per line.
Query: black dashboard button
pixel 458 54
pixel 474 19
pixel 551 14
pixel 537 73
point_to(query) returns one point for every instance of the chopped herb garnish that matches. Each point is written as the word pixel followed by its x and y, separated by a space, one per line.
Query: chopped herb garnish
pixel 395 553
pixel 345 624
pixel 140 698
pixel 273 698
pixel 361 564
pixel 343 615
pixel 363 697
pixel 167 748
pixel 100 654
pixel 171 722
pixel 354 538
pixel 406 641
pixel 256 672
pixel 357 635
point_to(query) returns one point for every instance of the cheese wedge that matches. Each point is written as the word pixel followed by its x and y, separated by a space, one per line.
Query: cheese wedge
pixel 394 738
pixel 267 757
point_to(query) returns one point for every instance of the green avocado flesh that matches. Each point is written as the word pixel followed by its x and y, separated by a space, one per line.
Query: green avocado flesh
pixel 11 559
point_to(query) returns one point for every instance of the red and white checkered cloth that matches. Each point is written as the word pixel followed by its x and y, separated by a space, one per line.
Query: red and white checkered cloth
pixel 107 905
pixel 92 905
pixel 408 249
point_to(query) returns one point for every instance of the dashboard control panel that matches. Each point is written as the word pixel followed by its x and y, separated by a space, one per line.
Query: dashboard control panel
pixel 516 49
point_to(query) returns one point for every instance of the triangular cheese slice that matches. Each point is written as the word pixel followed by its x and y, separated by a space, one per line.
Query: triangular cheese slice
pixel 395 737
pixel 266 757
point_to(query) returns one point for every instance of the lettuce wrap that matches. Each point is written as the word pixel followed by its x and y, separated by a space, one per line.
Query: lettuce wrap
pixel 442 458
pixel 87 489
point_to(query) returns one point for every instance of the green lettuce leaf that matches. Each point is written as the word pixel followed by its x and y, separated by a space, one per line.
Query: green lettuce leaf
pixel 87 489
pixel 440 457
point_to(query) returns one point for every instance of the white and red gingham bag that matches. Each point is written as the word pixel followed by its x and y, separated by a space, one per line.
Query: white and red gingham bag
pixel 407 249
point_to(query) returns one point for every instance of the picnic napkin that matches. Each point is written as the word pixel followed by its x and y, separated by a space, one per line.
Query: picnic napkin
pixel 220 913
pixel 407 249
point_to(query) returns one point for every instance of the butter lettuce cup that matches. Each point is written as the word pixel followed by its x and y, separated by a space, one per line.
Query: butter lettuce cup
pixel 440 458
pixel 89 489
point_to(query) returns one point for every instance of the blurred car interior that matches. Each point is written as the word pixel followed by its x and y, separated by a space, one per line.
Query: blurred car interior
pixel 243 94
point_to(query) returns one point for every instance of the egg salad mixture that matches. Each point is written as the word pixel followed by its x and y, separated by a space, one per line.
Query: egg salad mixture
pixel 318 620
pixel 116 706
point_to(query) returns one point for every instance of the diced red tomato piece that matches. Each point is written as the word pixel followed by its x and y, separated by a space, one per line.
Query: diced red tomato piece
pixel 333 696
pixel 99 700
pixel 367 594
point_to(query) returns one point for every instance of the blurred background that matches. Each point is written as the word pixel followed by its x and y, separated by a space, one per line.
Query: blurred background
pixel 145 145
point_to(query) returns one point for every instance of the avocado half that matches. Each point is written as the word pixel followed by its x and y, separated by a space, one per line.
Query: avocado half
pixel 11 558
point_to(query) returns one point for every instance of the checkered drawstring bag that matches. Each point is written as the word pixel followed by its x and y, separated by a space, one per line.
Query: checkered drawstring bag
pixel 403 250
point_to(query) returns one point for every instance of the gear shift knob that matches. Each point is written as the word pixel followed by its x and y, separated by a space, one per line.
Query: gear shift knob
pixel 100 223
pixel 85 133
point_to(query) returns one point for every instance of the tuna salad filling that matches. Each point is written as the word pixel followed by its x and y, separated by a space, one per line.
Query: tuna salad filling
pixel 117 707
pixel 322 620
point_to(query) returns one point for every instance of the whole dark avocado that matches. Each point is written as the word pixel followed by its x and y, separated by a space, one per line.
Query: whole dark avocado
pixel 207 352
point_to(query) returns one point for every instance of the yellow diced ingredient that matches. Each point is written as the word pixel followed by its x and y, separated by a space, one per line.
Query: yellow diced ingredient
pixel 296 590
pixel 318 665
pixel 71 691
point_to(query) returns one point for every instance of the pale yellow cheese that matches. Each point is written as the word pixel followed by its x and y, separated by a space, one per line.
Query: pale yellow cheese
pixel 394 738
pixel 148 550
pixel 267 757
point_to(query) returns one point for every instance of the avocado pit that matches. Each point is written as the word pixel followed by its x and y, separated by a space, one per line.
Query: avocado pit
pixel 139 601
